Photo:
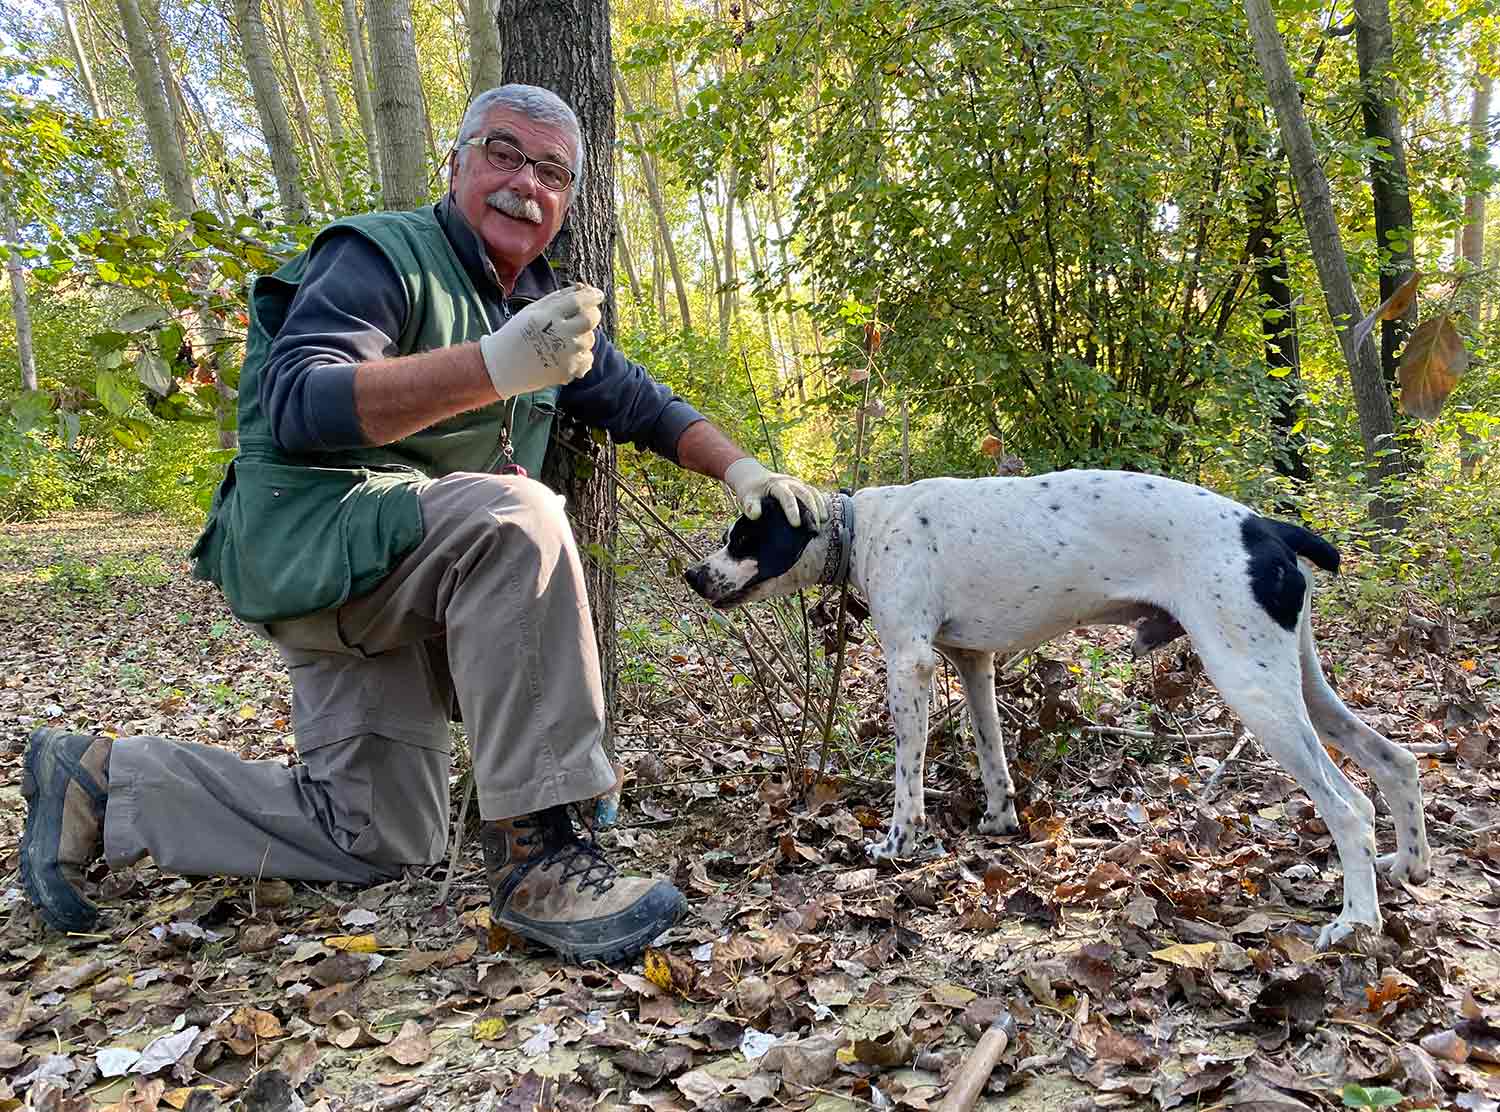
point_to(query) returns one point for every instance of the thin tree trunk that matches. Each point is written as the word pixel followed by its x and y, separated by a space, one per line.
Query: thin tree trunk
pixel 1383 458
pixel 622 245
pixel 1394 226
pixel 361 82
pixel 658 274
pixel 484 47
pixel 327 176
pixel 166 152
pixel 398 104
pixel 274 123
pixel 151 14
pixel 786 276
pixel 20 304
pixel 653 193
pixel 729 294
pixel 565 46
pixel 1470 447
pixel 96 106
pixel 322 62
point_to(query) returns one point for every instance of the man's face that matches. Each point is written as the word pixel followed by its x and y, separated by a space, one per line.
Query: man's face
pixel 515 215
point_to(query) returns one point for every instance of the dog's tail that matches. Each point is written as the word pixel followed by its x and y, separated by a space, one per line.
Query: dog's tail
pixel 1306 543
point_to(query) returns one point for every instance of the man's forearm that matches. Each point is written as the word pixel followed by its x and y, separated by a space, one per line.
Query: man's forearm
pixel 394 398
pixel 706 450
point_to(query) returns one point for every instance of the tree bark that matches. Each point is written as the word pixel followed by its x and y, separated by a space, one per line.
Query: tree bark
pixel 398 104
pixel 96 106
pixel 326 84
pixel 565 46
pixel 1383 458
pixel 362 98
pixel 1470 447
pixel 327 176
pixel 20 304
pixel 274 123
pixel 729 290
pixel 1394 225
pixel 653 192
pixel 484 47
pixel 166 151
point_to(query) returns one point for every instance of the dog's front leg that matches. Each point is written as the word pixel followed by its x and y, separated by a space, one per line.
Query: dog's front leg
pixel 978 672
pixel 909 669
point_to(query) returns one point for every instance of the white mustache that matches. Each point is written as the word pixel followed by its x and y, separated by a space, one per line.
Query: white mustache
pixel 513 204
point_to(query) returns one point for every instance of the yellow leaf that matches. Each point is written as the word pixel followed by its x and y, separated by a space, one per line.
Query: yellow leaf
pixel 955 996
pixel 247 710
pixel 488 1030
pixel 658 971
pixel 1468 665
pixel 1196 955
pixel 1431 364
pixel 352 943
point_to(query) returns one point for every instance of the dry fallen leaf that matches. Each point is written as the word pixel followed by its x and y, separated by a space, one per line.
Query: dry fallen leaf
pixel 411 1046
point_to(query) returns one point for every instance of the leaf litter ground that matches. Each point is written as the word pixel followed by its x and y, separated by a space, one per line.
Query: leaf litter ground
pixel 1150 934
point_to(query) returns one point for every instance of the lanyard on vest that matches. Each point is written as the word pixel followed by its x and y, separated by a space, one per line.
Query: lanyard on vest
pixel 507 446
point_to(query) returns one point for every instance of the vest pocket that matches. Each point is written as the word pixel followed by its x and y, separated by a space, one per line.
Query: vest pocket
pixel 295 540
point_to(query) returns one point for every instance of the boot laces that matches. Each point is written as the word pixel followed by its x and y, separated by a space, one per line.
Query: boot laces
pixel 581 858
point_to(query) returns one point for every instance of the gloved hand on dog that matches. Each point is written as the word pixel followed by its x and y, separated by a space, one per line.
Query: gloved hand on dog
pixel 548 343
pixel 751 482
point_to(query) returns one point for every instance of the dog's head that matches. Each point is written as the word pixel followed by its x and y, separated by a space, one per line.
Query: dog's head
pixel 764 558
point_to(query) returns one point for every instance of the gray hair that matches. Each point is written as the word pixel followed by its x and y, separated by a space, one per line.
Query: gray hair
pixel 535 103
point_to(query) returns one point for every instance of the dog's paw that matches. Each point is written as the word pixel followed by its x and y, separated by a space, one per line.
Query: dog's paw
pixel 1004 823
pixel 896 843
pixel 1346 928
pixel 1404 868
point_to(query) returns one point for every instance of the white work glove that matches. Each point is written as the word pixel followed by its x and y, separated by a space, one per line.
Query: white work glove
pixel 751 482
pixel 548 343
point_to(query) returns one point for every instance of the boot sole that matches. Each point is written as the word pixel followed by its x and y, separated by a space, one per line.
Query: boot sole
pixel 63 908
pixel 613 952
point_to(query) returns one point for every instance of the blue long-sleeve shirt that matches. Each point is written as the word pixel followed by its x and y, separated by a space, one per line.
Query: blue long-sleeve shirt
pixel 350 309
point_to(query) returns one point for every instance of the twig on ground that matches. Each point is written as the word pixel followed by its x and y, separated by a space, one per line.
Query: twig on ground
pixel 1432 748
pixel 1218 773
pixel 1149 735
pixel 458 843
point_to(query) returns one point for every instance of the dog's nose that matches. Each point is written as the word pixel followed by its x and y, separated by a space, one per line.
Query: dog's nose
pixel 696 578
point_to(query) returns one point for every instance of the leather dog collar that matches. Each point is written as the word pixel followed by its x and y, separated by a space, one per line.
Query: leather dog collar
pixel 840 539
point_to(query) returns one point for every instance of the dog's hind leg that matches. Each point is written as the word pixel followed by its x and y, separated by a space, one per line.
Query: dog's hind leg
pixel 1264 689
pixel 1391 766
pixel 909 664
pixel 977 670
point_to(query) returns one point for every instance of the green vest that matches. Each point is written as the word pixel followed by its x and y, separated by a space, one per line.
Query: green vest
pixel 287 535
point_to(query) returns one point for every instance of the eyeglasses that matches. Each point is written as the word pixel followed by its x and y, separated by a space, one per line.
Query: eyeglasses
pixel 507 156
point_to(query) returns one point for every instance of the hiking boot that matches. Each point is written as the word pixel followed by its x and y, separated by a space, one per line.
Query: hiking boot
pixel 65 780
pixel 549 885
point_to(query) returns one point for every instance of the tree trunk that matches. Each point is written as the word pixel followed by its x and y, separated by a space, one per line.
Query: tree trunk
pixel 322 62
pixel 327 175
pixel 728 296
pixel 565 46
pixel 1470 447
pixel 1371 398
pixel 166 151
pixel 622 245
pixel 361 84
pixel 19 304
pixel 653 192
pixel 1394 226
pixel 96 106
pixel 274 123
pixel 484 48
pixel 398 104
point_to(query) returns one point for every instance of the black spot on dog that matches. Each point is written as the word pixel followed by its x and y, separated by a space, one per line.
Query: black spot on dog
pixel 923 519
pixel 1260 663
pixel 1150 486
pixel 1275 580
pixel 1097 496
pixel 1055 506
pixel 1045 484
pixel 1202 493
pixel 1070 590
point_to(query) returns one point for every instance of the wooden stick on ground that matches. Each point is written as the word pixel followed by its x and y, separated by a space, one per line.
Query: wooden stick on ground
pixel 970 1079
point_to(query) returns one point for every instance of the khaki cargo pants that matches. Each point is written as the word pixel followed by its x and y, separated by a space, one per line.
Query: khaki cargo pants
pixel 487 615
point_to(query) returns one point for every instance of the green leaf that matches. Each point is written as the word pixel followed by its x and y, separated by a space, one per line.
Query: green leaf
pixel 115 391
pixel 154 374
pixel 138 319
pixel 31 409
pixel 67 427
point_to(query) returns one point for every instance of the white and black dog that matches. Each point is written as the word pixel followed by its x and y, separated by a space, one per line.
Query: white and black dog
pixel 971 567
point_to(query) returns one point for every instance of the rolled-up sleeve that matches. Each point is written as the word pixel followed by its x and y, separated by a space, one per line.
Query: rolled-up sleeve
pixel 350 309
pixel 619 396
